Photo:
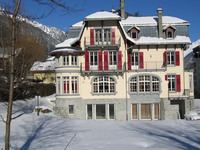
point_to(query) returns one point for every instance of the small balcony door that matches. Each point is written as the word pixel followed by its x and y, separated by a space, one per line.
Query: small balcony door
pixel 93 60
pixel 112 60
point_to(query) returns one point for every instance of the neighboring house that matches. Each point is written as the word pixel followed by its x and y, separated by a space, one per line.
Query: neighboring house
pixel 44 71
pixel 117 68
pixel 196 63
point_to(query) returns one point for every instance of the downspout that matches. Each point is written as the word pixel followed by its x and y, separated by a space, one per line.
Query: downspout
pixel 126 82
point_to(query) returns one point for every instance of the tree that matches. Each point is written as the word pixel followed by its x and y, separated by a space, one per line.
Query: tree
pixel 12 10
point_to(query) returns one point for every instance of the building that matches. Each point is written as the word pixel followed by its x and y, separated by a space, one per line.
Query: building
pixel 196 65
pixel 116 68
pixel 44 71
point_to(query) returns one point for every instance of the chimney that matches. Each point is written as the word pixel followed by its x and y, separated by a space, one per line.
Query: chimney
pixel 122 9
pixel 160 28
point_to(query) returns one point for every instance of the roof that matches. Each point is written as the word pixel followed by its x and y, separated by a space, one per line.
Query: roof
pixel 102 15
pixel 151 21
pixel 66 43
pixel 43 66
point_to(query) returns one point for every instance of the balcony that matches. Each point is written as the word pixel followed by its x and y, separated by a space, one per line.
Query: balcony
pixel 149 66
pixel 113 43
pixel 118 69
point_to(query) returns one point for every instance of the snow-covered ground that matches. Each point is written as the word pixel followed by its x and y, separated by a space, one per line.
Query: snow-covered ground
pixel 49 132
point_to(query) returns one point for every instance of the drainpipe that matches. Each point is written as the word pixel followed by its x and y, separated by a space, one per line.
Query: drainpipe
pixel 160 28
pixel 125 53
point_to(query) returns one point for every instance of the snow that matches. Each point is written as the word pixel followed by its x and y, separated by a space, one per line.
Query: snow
pixel 152 20
pixel 155 40
pixel 41 66
pixel 103 15
pixel 66 43
pixel 50 132
pixel 78 24
pixel 190 49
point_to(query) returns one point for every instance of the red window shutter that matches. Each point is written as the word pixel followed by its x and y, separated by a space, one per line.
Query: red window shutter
pixel 177 58
pixel 100 60
pixel 105 60
pixel 141 60
pixel 178 83
pixel 129 61
pixel 166 78
pixel 119 60
pixel 165 58
pixel 91 36
pixel 67 86
pixel 87 61
pixel 76 87
pixel 64 86
pixel 113 36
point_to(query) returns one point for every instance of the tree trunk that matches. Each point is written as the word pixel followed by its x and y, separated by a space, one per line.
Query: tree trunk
pixel 10 103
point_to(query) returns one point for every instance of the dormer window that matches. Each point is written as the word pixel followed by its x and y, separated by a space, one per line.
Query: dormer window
pixel 169 32
pixel 134 31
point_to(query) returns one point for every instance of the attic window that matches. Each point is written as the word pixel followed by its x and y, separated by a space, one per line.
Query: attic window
pixel 134 33
pixel 169 32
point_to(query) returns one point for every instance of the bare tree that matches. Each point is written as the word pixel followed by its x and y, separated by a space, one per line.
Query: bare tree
pixel 15 6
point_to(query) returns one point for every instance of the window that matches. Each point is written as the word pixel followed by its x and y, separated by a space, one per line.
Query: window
pixel 100 111
pixel 134 60
pixel 134 111
pixel 112 57
pixel 190 83
pixel 133 84
pixel 66 85
pixel 98 36
pixel 71 109
pixel 103 85
pixel 134 35
pixel 171 58
pixel 171 83
pixel 144 83
pixel 93 59
pixel 58 85
pixel 65 60
pixel 169 34
pixel 74 84
pixel 155 84
pixel 89 111
pixel 107 35
pixel 111 111
pixel 156 111
pixel 74 61
pixel 145 111
pixel 57 61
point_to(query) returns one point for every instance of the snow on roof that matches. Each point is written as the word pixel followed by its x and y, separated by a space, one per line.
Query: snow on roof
pixel 155 40
pixel 66 43
pixel 151 20
pixel 43 66
pixel 190 49
pixel 103 15
pixel 78 24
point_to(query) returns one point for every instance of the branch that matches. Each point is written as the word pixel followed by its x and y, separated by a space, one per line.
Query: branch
pixel 2 119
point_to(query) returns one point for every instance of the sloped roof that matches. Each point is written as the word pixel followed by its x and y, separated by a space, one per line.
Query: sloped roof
pixel 151 21
pixel 102 15
pixel 43 66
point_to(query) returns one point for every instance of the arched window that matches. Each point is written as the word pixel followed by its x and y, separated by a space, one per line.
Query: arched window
pixel 103 85
pixel 144 84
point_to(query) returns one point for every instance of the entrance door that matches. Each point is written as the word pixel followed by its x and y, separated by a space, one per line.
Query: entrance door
pixel 89 111
pixel 100 111
pixel 145 111
pixel 134 111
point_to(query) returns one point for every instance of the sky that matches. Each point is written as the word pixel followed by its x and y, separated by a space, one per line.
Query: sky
pixel 185 9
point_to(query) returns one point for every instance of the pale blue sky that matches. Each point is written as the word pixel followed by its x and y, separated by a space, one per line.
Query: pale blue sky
pixel 188 10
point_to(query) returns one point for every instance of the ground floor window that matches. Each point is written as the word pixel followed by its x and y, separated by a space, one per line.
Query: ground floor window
pixel 156 111
pixel 111 111
pixel 89 111
pixel 145 111
pixel 71 109
pixel 100 111
pixel 134 111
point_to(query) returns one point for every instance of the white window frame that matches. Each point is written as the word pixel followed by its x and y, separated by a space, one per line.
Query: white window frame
pixel 58 85
pixel 65 79
pixel 156 83
pixel 145 83
pixel 190 83
pixel 66 60
pixel 171 80
pixel 74 60
pixel 112 56
pixel 134 57
pixel 170 55
pixel 94 63
pixel 74 80
pixel 134 82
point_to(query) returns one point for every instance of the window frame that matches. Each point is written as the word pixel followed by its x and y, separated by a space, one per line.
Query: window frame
pixel 102 36
pixel 74 85
pixel 145 82
pixel 65 60
pixel 171 78
pixel 74 60
pixel 58 85
pixel 112 59
pixel 170 56
pixel 103 85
